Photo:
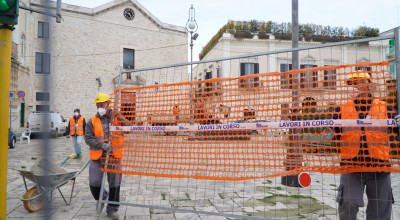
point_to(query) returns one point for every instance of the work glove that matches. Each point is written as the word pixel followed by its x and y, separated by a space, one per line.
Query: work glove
pixel 106 147
pixel 397 118
pixel 68 136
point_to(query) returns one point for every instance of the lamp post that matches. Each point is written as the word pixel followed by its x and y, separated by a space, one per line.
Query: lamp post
pixel 191 27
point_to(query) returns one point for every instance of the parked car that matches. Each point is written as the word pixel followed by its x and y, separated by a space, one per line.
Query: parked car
pixel 12 139
pixel 46 123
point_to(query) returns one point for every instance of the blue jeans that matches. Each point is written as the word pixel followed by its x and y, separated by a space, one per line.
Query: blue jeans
pixel 77 143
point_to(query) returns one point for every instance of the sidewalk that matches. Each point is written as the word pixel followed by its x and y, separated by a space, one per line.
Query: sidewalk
pixel 83 205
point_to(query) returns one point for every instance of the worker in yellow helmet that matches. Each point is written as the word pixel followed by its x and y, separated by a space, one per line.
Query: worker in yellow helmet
pixel 364 147
pixel 354 88
pixel 100 142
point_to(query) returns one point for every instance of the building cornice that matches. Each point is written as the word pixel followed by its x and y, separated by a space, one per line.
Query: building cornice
pixel 279 41
pixel 109 6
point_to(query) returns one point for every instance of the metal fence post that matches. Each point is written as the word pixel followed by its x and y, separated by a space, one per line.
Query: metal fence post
pixel 102 188
pixel 397 61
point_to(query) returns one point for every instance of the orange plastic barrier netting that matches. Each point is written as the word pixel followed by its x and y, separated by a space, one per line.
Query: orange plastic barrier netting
pixel 331 119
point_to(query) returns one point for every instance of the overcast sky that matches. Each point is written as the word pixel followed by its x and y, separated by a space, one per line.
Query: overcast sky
pixel 211 15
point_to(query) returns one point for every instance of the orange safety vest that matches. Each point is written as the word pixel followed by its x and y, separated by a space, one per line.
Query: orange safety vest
pixel 76 127
pixel 175 110
pixel 377 137
pixel 116 143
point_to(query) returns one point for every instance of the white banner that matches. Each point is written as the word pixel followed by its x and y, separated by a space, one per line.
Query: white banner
pixel 265 125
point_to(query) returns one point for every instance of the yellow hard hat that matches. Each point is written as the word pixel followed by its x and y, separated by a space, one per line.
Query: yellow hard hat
pixel 102 97
pixel 358 75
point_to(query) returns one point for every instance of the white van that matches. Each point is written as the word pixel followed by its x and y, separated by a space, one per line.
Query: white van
pixel 47 123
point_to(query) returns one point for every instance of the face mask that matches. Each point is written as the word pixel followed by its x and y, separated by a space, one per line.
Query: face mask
pixel 353 92
pixel 76 114
pixel 101 111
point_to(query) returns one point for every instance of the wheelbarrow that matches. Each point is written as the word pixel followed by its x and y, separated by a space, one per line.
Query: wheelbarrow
pixel 47 177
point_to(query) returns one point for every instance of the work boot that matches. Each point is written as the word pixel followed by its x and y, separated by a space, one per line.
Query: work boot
pixel 76 156
pixel 113 215
pixel 80 154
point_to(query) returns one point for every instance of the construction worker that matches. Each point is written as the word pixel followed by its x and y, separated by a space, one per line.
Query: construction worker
pixel 101 142
pixel 364 147
pixel 76 130
pixel 175 111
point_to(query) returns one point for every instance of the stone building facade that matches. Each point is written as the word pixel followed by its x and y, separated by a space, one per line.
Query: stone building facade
pixel 63 66
pixel 229 45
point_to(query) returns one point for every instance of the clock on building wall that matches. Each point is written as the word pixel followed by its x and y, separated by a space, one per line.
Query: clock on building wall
pixel 129 13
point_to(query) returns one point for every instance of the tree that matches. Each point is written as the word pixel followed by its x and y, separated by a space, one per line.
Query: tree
pixel 253 25
pixel 268 27
pixel 364 31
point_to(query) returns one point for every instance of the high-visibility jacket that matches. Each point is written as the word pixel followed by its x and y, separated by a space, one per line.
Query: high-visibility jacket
pixel 76 127
pixel 175 110
pixel 116 142
pixel 377 137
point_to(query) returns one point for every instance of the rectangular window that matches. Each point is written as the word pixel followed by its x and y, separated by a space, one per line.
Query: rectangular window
pixel 129 58
pixel 329 78
pixel 43 96
pixel 43 108
pixel 247 69
pixel 284 67
pixel 208 85
pixel 208 75
pixel 307 79
pixel 286 79
pixel 42 63
pixel 43 29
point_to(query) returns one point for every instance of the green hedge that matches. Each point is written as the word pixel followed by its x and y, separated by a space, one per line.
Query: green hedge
pixel 282 31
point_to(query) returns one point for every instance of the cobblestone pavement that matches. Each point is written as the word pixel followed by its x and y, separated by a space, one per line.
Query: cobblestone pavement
pixel 263 197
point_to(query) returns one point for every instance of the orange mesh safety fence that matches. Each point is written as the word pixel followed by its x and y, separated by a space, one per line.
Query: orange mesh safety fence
pixel 331 119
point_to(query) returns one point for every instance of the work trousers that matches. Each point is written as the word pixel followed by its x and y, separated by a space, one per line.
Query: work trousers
pixel 114 182
pixel 379 193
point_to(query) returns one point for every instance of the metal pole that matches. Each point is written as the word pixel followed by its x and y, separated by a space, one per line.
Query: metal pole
pixel 191 56
pixel 191 75
pixel 22 117
pixel 397 60
pixel 103 183
pixel 58 12
pixel 292 180
pixel 5 59
pixel 46 81
pixel 37 11
pixel 295 33
pixel 9 117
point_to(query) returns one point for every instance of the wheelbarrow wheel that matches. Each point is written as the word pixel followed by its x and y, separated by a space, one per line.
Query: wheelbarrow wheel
pixel 34 204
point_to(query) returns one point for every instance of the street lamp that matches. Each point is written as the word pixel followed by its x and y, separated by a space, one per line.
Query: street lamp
pixel 191 27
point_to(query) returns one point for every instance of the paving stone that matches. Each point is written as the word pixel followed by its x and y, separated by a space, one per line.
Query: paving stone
pixel 230 197
pixel 212 217
pixel 160 211
pixel 207 209
pixel 13 204
pixel 137 217
pixel 163 216
pixel 21 212
pixel 188 216
pixel 137 211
